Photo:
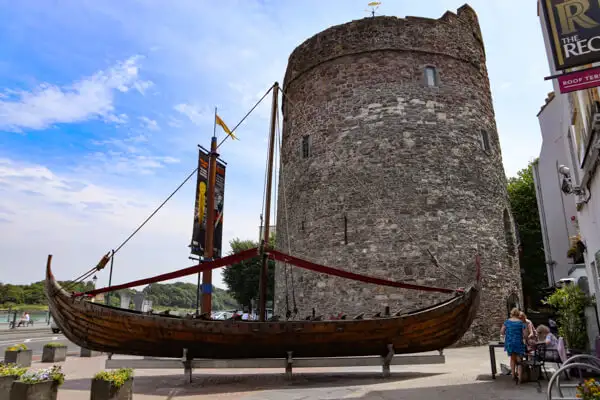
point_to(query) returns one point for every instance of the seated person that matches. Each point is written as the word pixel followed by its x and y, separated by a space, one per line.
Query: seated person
pixel 551 341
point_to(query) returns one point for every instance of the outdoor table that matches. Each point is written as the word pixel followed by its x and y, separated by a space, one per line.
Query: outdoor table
pixel 492 346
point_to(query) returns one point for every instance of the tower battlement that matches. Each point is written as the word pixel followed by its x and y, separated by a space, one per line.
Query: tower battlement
pixel 455 35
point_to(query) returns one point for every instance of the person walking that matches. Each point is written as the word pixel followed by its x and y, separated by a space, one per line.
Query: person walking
pixel 515 333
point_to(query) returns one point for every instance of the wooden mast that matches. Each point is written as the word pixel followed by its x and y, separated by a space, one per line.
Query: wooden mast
pixel 210 227
pixel 265 242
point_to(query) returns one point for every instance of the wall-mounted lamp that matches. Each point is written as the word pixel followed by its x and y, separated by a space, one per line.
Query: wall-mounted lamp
pixel 566 185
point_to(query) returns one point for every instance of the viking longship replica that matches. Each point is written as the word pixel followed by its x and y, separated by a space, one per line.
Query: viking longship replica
pixel 122 331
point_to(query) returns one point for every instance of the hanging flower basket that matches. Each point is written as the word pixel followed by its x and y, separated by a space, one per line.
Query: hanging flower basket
pixel 8 374
pixel 54 352
pixel 113 385
pixel 18 354
pixel 37 385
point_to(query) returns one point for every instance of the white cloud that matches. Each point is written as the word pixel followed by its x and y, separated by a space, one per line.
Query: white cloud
pixel 78 221
pixel 196 114
pixel 149 123
pixel 175 123
pixel 142 86
pixel 126 163
pixel 117 119
pixel 88 98
pixel 124 156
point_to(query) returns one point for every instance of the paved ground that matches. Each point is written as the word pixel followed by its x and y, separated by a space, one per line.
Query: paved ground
pixel 466 375
pixel 33 338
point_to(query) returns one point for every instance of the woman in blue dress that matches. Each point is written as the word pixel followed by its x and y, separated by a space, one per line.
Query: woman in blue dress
pixel 515 333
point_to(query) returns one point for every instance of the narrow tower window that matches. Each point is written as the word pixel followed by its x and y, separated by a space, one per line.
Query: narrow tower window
pixel 485 141
pixel 431 76
pixel 306 142
pixel 508 234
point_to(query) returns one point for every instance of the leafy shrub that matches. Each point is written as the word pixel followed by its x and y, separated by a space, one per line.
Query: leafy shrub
pixel 11 370
pixel 53 373
pixel 570 302
pixel 117 377
pixel 17 347
pixel 55 344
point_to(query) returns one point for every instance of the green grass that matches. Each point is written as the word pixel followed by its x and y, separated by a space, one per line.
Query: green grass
pixel 55 344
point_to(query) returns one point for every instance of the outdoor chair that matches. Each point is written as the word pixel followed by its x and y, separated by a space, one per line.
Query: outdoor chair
pixel 552 356
pixel 533 363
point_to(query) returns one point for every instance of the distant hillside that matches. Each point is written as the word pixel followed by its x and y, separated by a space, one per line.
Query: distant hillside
pixel 169 295
pixel 183 295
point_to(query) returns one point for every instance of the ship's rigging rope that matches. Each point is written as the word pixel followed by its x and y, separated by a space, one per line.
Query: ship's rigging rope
pixel 106 258
pixel 381 209
pixel 286 269
pixel 247 114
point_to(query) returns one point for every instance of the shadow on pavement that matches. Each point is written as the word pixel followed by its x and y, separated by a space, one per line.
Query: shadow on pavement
pixel 496 390
pixel 204 384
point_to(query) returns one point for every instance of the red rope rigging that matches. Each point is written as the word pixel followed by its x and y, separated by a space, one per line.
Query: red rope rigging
pixel 278 256
pixel 206 266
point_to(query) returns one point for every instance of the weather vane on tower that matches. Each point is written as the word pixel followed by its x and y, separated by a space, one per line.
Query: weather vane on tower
pixel 374 6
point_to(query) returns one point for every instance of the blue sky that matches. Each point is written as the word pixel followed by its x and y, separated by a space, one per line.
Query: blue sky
pixel 102 104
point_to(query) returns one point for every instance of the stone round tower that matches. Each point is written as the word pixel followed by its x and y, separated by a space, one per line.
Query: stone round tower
pixel 390 150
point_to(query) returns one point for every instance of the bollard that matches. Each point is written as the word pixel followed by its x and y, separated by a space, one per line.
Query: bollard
pixel 14 321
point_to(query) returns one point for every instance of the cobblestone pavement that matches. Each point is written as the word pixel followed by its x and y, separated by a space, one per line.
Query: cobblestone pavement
pixel 465 375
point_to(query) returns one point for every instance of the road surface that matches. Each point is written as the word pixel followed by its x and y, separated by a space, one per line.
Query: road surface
pixel 34 339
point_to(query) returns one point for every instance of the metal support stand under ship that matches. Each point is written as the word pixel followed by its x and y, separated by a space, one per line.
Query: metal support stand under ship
pixel 121 331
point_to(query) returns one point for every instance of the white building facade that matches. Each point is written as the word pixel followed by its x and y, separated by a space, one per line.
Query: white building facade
pixel 575 126
pixel 556 209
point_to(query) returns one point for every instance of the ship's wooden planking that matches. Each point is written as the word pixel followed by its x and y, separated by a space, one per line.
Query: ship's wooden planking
pixel 114 330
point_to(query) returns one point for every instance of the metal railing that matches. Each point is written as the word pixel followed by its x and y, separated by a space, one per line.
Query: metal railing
pixel 577 363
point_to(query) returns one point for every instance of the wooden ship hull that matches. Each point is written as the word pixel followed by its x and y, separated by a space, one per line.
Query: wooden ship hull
pixel 114 330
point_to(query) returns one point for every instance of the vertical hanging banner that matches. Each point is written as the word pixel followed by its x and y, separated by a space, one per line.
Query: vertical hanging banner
pixel 199 231
pixel 574 31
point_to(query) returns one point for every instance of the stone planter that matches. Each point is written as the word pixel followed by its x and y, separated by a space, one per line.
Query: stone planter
pixel 54 354
pixel 89 353
pixel 104 390
pixel 5 386
pixel 34 391
pixel 22 358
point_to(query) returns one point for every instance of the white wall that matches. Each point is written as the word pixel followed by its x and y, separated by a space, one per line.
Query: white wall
pixel 589 213
pixel 589 216
pixel 555 208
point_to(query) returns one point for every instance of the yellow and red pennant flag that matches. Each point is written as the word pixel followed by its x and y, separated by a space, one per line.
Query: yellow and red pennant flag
pixel 222 124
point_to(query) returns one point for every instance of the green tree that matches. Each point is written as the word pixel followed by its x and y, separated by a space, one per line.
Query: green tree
pixel 243 278
pixel 174 295
pixel 523 202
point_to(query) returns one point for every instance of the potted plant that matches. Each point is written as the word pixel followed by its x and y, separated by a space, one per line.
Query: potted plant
pixel 113 385
pixel 18 354
pixel 588 390
pixel 54 352
pixel 40 384
pixel 570 302
pixel 8 374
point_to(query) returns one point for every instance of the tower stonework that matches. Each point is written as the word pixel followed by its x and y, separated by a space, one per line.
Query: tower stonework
pixel 390 149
